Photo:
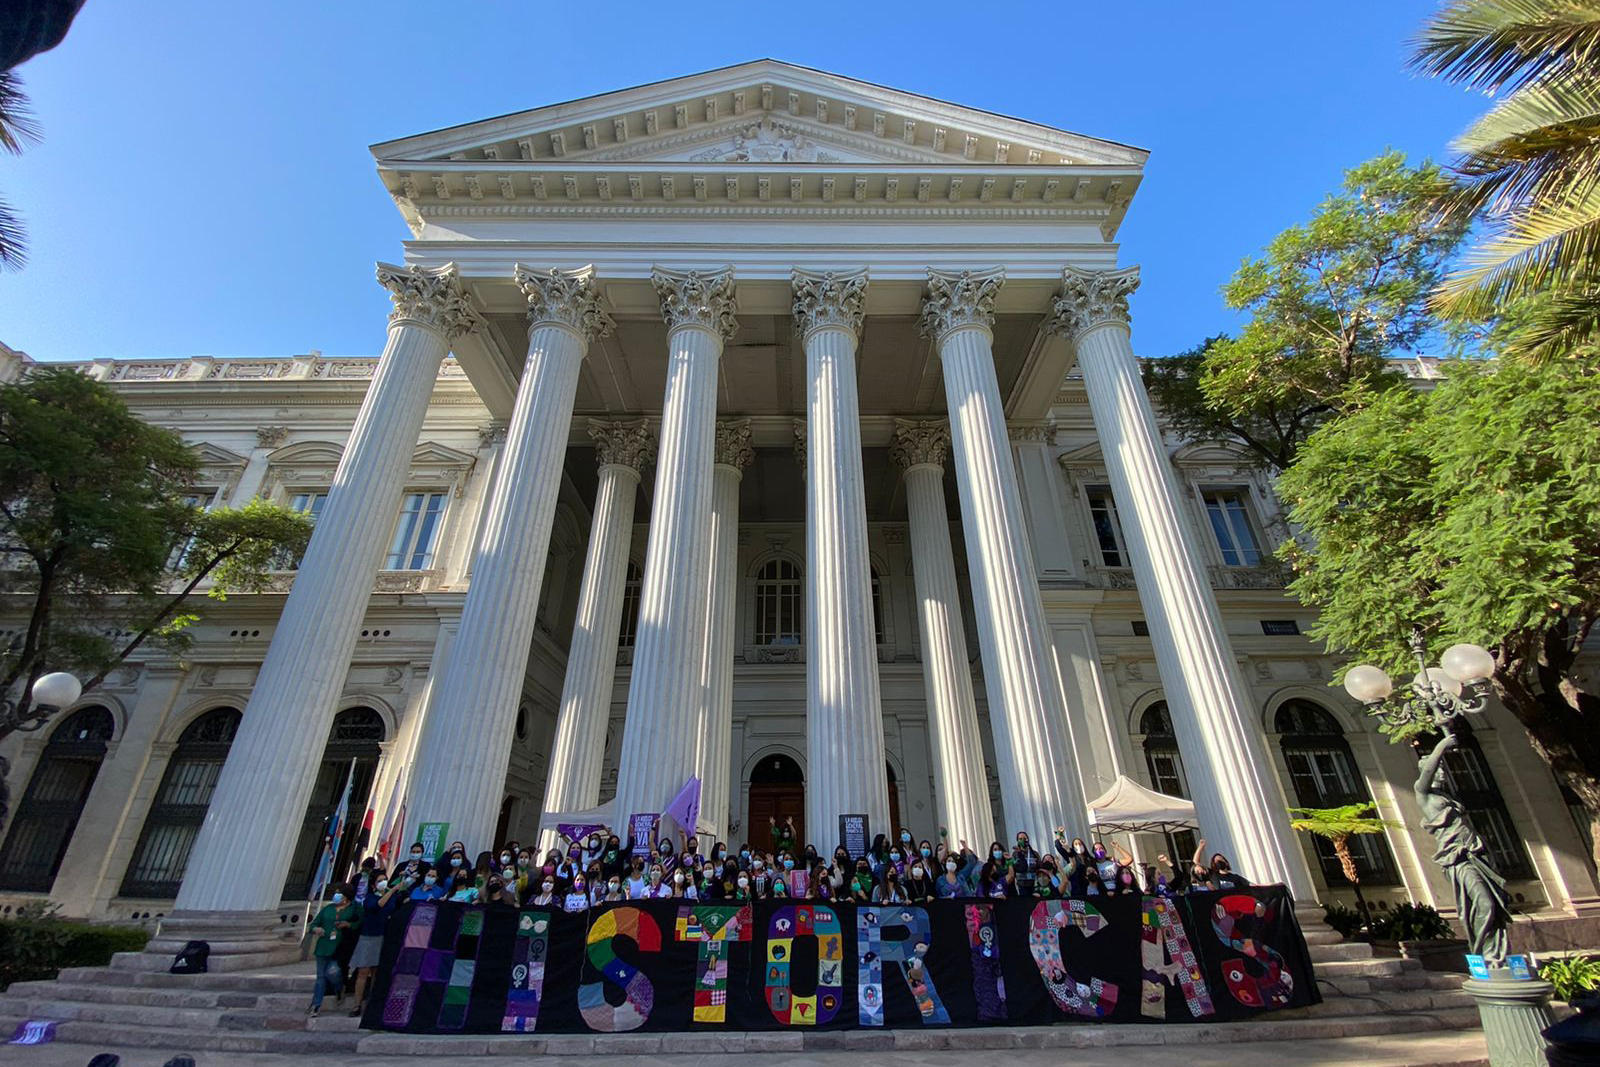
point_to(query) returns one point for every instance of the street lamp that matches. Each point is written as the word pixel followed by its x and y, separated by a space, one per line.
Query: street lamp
pixel 55 690
pixel 1514 1012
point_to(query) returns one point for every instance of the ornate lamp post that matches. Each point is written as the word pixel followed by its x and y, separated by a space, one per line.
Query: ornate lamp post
pixel 1514 1012
pixel 56 690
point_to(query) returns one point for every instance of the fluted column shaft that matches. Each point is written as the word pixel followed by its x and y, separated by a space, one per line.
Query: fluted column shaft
pixel 259 804
pixel 470 723
pixel 572 780
pixel 733 454
pixel 961 787
pixel 1040 785
pixel 845 767
pixel 1237 800
pixel 660 737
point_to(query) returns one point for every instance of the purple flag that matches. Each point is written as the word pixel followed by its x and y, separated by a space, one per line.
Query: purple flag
pixel 685 807
pixel 574 831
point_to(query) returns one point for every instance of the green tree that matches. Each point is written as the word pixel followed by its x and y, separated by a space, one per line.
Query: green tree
pixel 1338 825
pixel 99 547
pixel 1530 166
pixel 1473 511
pixel 1329 301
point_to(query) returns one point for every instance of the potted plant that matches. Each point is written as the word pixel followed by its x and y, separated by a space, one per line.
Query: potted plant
pixel 1418 932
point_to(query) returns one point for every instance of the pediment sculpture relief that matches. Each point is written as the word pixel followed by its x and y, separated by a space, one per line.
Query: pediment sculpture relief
pixel 767 142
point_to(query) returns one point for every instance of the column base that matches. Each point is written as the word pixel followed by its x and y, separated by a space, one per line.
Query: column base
pixel 1314 925
pixel 239 940
pixel 1515 1014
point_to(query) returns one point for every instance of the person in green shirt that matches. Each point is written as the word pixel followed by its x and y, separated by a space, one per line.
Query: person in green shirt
pixel 338 920
pixel 783 834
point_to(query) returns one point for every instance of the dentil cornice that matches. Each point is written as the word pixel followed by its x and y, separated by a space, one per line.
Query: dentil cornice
pixel 569 298
pixel 695 298
pixel 626 444
pixel 733 447
pixel 432 296
pixel 1091 298
pixel 829 298
pixel 955 300
pixel 917 444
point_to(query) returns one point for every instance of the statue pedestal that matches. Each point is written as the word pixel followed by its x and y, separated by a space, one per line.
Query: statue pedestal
pixel 1514 1013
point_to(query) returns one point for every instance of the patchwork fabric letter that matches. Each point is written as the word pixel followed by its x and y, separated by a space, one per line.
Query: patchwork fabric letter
pixel 786 925
pixel 909 951
pixel 1166 956
pixel 1046 928
pixel 1259 979
pixel 639 993
pixel 527 972
pixel 713 928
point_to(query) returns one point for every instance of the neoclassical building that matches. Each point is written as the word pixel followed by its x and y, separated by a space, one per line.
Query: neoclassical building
pixel 763 425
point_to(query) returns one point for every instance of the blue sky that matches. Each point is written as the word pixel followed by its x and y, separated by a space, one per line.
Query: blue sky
pixel 205 188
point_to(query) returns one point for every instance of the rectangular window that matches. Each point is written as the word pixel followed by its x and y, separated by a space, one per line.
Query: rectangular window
pixel 1107 527
pixel 416 532
pixel 1230 522
pixel 1280 627
pixel 308 504
pixel 1141 628
pixel 205 500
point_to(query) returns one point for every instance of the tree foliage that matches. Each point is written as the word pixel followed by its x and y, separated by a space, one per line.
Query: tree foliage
pixel 1329 301
pixel 1472 511
pixel 1530 167
pixel 98 544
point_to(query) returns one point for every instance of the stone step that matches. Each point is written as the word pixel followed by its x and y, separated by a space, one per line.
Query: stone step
pixel 1065 1036
pixel 140 1015
pixel 1343 950
pixel 1368 968
pixel 1408 980
pixel 122 1035
pixel 275 981
pixel 1388 1003
pixel 161 998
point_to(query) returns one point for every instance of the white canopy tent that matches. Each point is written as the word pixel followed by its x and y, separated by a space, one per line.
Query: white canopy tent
pixel 1128 807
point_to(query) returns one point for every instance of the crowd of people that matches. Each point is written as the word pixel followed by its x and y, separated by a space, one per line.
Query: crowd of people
pixel 601 867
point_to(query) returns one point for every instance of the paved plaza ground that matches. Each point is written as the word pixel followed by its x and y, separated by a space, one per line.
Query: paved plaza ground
pixel 1456 1048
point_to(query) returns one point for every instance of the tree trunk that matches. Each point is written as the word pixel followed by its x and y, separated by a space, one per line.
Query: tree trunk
pixel 1562 720
pixel 1347 863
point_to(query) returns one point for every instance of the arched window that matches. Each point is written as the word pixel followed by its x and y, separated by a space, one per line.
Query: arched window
pixel 879 634
pixel 54 800
pixel 1165 761
pixel 162 854
pixel 1479 794
pixel 779 603
pixel 353 740
pixel 631 587
pixel 1323 773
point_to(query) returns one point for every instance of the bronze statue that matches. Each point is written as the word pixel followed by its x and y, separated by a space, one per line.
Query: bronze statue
pixel 1481 897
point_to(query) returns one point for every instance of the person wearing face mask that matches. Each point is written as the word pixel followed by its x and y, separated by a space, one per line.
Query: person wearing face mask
pixel 413 867
pixel 741 888
pixel 926 850
pixel 1103 862
pixel 783 834
pixel 889 891
pixel 862 884
pixel 919 887
pixel 1221 875
pixel 680 886
pixel 897 863
pixel 382 902
pixel 546 896
pixel 1024 862
pixel 635 881
pixel 1047 882
pixel 660 887
pixel 462 891
pixel 955 881
pixel 907 842
pixel 614 890
pixel 994 880
pixel 429 888
pixel 338 920
pixel 613 860
pixel 577 898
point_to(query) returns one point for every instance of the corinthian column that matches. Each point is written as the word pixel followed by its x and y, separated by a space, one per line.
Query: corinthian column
pixel 845 767
pixel 1038 767
pixel 1235 797
pixel 733 455
pixel 573 778
pixel 660 736
pixel 258 807
pixel 961 788
pixel 469 725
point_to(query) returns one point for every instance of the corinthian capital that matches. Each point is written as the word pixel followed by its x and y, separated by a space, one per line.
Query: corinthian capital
pixel 733 447
pixel 569 298
pixel 693 298
pixel 1091 298
pixel 954 300
pixel 919 443
pixel 627 444
pixel 432 296
pixel 829 299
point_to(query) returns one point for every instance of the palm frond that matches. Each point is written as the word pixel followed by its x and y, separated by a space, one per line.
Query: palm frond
pixel 1492 44
pixel 13 252
pixel 1533 250
pixel 1566 321
pixel 17 126
pixel 1339 822
pixel 1560 104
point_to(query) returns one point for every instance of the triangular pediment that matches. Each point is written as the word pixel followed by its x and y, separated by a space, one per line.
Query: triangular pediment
pixel 759 112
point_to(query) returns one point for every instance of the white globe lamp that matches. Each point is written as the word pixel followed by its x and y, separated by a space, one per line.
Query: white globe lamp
pixel 57 690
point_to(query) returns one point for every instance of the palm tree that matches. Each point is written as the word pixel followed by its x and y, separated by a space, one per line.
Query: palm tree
pixel 1338 825
pixel 17 131
pixel 1531 164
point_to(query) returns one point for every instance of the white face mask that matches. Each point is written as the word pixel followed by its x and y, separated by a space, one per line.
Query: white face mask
pixel 505 857
pixel 950 865
pixel 549 886
pixel 677 879
pixel 338 898
pixel 383 883
pixel 614 886
pixel 916 872
pixel 744 883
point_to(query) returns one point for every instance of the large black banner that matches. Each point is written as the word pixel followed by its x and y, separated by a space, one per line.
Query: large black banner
pixel 682 965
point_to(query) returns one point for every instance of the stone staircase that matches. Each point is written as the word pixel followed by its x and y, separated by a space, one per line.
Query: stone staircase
pixel 263 1010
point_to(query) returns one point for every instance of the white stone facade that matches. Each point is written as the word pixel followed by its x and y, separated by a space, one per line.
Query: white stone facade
pixel 656 315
